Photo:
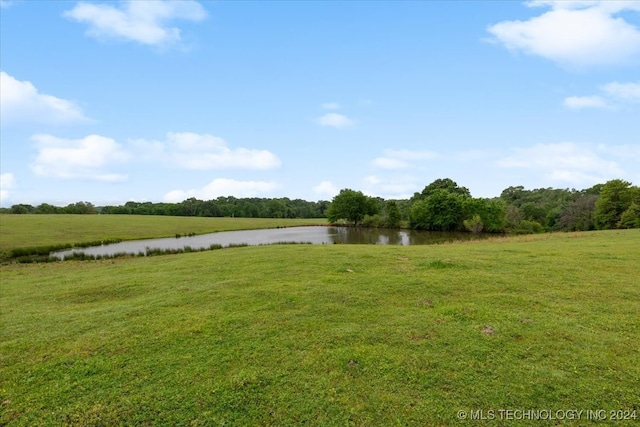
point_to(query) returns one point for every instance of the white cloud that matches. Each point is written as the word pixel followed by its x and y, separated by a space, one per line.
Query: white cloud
pixel 145 22
pixel 85 158
pixel 575 33
pixel 372 179
pixel 565 162
pixel 402 159
pixel 579 102
pixel 7 182
pixel 614 94
pixel 203 151
pixel 398 187
pixel 326 188
pixel 331 106
pixel 625 91
pixel 21 102
pixel 223 187
pixel 390 163
pixel 392 185
pixel 610 6
pixel 335 120
pixel 628 152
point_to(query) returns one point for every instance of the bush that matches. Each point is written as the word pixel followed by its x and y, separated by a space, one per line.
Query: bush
pixel 631 217
pixel 529 227
pixel 372 221
pixel 474 224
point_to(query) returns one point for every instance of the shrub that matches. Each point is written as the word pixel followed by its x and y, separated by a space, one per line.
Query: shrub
pixel 529 227
pixel 474 224
pixel 372 221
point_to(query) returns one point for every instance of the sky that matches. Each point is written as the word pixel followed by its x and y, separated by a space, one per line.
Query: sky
pixel 109 102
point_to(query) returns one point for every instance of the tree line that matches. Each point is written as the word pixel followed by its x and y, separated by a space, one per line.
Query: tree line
pixel 220 207
pixel 442 205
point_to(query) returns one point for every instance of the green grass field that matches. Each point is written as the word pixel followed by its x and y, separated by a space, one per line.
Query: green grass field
pixel 327 335
pixel 31 231
pixel 43 230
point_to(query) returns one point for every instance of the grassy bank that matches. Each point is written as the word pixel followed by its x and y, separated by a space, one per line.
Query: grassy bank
pixel 56 231
pixel 326 335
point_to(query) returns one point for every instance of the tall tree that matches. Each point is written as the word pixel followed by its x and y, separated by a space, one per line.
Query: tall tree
pixel 492 213
pixel 445 184
pixel 441 211
pixel 631 217
pixel 577 215
pixel 351 206
pixel 615 198
pixel 393 216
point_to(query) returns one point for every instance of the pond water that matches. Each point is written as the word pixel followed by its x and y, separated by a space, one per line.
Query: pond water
pixel 311 234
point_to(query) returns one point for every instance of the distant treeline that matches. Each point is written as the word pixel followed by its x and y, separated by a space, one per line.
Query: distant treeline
pixel 220 207
pixel 443 206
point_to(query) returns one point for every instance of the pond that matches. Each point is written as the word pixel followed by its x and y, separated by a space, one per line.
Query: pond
pixel 311 234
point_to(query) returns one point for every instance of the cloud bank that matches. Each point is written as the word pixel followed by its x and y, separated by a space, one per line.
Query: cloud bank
pixel 7 183
pixel 326 189
pixel 623 91
pixel 335 120
pixel 579 102
pixel 144 22
pixel 21 102
pixel 575 33
pixel 564 162
pixel 190 150
pixel 402 159
pixel 613 94
pixel 223 187
pixel 88 158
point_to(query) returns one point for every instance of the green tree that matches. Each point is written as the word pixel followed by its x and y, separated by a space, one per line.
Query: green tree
pixel 351 206
pixel 22 209
pixel 615 198
pixel 533 212
pixel 631 217
pixel 277 208
pixel 189 207
pixel 595 190
pixel 45 208
pixel 441 211
pixel 445 184
pixel 393 216
pixel 492 213
pixel 577 215
pixel 495 217
pixel 80 208
pixel 513 195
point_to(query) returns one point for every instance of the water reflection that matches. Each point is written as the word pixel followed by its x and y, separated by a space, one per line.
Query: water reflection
pixel 377 236
pixel 312 234
pixel 368 236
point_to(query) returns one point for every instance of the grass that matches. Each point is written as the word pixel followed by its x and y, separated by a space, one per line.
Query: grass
pixel 41 234
pixel 326 334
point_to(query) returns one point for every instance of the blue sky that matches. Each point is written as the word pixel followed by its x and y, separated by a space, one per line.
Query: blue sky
pixel 164 100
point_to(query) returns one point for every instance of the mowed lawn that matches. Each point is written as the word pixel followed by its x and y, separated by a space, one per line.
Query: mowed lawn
pixel 327 335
